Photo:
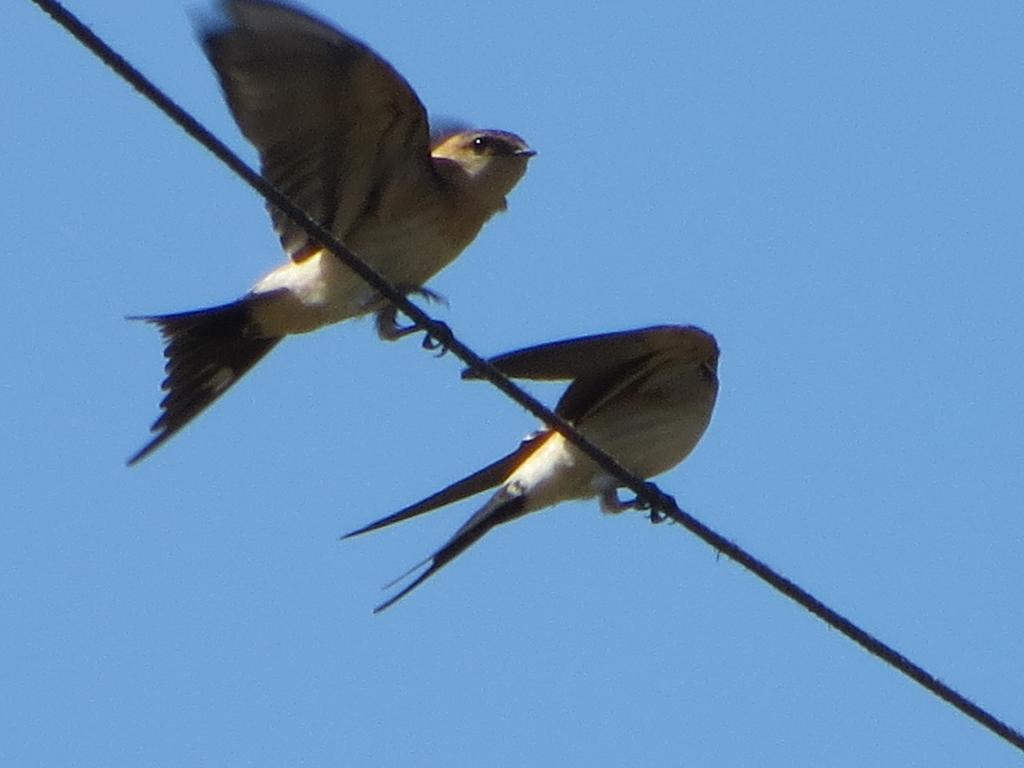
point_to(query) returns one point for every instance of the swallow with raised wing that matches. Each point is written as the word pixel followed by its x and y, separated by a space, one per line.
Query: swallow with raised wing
pixel 645 397
pixel 346 138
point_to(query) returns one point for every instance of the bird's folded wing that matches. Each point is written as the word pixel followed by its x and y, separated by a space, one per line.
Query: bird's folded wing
pixel 589 392
pixel 331 119
pixel 588 355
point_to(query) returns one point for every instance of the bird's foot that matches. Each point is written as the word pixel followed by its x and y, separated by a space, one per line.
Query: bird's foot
pixel 389 329
pixel 438 338
pixel 611 504
pixel 658 502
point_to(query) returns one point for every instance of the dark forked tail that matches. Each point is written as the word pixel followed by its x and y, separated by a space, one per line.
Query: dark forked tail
pixel 500 509
pixel 207 351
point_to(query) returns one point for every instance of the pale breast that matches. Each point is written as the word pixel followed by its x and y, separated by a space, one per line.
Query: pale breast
pixel 408 234
pixel 650 437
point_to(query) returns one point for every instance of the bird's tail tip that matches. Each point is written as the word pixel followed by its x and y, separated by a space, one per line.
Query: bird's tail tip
pixel 207 351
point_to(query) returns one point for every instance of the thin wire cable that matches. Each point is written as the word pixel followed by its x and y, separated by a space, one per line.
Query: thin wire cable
pixel 657 500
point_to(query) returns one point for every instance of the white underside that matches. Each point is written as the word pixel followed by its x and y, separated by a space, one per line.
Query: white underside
pixel 321 290
pixel 310 294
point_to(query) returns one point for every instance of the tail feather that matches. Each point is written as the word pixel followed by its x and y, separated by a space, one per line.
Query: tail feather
pixel 207 351
pixel 498 510
pixel 488 477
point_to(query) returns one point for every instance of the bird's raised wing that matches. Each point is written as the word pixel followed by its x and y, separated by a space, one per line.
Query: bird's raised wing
pixel 331 119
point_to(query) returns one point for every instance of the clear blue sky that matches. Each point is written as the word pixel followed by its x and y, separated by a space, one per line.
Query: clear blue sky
pixel 836 193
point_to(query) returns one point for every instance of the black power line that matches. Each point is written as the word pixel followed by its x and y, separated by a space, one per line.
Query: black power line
pixel 649 493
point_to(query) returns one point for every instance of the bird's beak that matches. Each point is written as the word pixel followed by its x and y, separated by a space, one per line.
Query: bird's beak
pixel 526 153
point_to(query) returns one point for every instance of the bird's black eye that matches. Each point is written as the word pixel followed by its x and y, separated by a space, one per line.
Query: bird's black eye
pixel 482 144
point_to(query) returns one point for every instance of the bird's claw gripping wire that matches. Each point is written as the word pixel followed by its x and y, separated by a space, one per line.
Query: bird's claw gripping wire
pixel 655 503
pixel 438 337
pixel 388 328
pixel 654 515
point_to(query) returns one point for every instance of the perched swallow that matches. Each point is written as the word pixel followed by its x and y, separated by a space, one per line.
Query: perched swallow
pixel 644 396
pixel 346 138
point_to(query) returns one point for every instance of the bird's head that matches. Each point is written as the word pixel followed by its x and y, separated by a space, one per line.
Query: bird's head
pixel 492 162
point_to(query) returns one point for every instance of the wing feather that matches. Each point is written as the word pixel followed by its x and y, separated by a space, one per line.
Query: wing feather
pixel 597 355
pixel 329 117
